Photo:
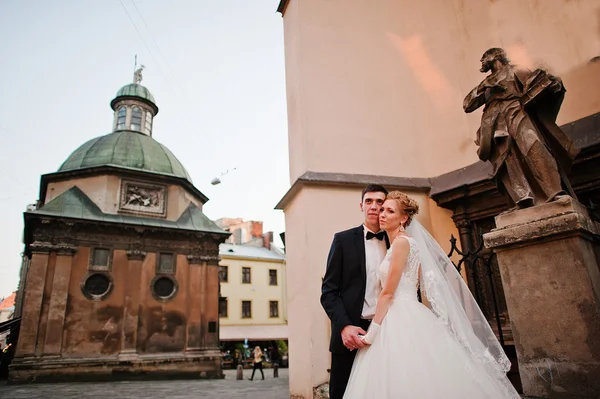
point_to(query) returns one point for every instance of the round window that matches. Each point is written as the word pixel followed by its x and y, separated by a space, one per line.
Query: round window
pixel 164 288
pixel 96 285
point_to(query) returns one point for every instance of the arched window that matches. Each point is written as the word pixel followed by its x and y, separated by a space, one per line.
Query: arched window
pixel 121 116
pixel 136 118
pixel 148 127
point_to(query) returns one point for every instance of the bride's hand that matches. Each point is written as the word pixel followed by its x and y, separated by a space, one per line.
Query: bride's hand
pixel 369 338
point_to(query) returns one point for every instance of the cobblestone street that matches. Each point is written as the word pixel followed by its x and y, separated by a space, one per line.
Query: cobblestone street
pixel 271 388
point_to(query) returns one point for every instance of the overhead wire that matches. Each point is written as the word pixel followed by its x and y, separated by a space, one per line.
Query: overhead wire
pixel 144 42
pixel 174 76
pixel 186 103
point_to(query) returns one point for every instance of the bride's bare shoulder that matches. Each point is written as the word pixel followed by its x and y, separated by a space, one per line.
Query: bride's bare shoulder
pixel 400 247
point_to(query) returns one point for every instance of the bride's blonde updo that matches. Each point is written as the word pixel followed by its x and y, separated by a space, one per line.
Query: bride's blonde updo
pixel 407 204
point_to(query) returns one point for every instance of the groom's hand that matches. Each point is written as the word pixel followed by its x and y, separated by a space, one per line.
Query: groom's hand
pixel 351 339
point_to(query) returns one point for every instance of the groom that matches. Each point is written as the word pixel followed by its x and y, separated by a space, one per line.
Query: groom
pixel 350 289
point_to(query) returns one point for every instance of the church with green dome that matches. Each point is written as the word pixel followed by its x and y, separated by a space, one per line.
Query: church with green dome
pixel 121 276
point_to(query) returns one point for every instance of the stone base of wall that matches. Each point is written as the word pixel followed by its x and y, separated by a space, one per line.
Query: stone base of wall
pixel 56 369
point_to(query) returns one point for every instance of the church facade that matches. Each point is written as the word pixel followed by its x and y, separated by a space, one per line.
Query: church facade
pixel 122 277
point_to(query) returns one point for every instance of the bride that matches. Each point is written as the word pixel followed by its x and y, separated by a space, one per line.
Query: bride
pixel 449 351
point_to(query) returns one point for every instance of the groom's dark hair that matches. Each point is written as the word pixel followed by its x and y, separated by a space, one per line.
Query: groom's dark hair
pixel 373 188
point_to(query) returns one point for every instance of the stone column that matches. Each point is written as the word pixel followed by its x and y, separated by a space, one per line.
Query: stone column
pixel 551 282
pixel 211 300
pixel 197 265
pixel 200 287
pixel 203 322
pixel 32 303
pixel 131 309
pixel 58 299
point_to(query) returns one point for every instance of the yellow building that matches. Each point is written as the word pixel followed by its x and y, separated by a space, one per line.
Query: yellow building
pixel 253 296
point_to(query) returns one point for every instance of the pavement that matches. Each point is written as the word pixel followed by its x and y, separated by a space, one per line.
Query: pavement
pixel 229 387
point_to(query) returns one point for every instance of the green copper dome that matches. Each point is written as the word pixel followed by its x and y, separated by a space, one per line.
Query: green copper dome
pixel 135 91
pixel 126 149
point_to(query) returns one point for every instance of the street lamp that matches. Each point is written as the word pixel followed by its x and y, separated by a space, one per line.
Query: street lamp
pixel 216 180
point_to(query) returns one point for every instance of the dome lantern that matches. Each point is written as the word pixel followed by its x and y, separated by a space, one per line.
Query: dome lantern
pixel 134 107
pixel 130 145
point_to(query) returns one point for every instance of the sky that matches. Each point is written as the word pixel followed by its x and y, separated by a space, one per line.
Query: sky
pixel 215 68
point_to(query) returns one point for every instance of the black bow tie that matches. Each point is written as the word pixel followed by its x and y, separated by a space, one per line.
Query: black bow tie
pixel 380 236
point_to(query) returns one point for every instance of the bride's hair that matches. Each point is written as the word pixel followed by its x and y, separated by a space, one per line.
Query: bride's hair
pixel 407 204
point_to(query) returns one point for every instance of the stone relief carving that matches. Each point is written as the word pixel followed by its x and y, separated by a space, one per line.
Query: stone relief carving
pixel 47 247
pixel 136 254
pixel 143 198
pixel 123 237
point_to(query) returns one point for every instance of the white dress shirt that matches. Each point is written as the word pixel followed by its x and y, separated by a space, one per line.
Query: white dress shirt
pixel 375 251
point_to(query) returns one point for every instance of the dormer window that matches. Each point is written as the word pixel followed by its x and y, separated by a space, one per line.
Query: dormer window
pixel 136 119
pixel 148 123
pixel 121 117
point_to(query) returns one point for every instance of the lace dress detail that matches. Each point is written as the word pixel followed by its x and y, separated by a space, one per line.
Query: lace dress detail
pixel 409 282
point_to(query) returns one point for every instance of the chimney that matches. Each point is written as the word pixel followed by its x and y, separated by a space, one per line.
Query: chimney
pixel 237 236
pixel 267 239
pixel 256 229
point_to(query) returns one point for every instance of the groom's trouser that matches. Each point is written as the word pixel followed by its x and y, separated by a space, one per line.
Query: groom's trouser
pixel 341 366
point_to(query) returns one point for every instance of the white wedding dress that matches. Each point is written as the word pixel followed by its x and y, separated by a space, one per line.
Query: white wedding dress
pixel 417 356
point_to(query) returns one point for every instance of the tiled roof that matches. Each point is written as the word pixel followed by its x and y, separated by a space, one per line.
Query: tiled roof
pixel 9 301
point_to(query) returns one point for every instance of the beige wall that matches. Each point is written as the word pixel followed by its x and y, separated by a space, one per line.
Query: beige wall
pixel 6 313
pixel 582 97
pixel 105 190
pixel 259 291
pixel 306 256
pixel 387 78
pixel 102 190
pixel 376 87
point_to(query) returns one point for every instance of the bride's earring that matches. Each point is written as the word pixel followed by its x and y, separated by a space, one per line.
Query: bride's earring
pixel 401 228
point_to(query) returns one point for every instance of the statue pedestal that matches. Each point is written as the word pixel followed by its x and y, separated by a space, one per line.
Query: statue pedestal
pixel 548 262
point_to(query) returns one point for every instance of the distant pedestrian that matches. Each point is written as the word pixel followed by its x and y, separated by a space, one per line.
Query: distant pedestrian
pixel 257 363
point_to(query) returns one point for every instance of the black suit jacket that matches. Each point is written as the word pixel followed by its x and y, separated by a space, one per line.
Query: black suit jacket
pixel 343 288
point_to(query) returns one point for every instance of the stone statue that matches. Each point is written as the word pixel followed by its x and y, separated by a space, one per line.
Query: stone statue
pixel 530 154
pixel 137 75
